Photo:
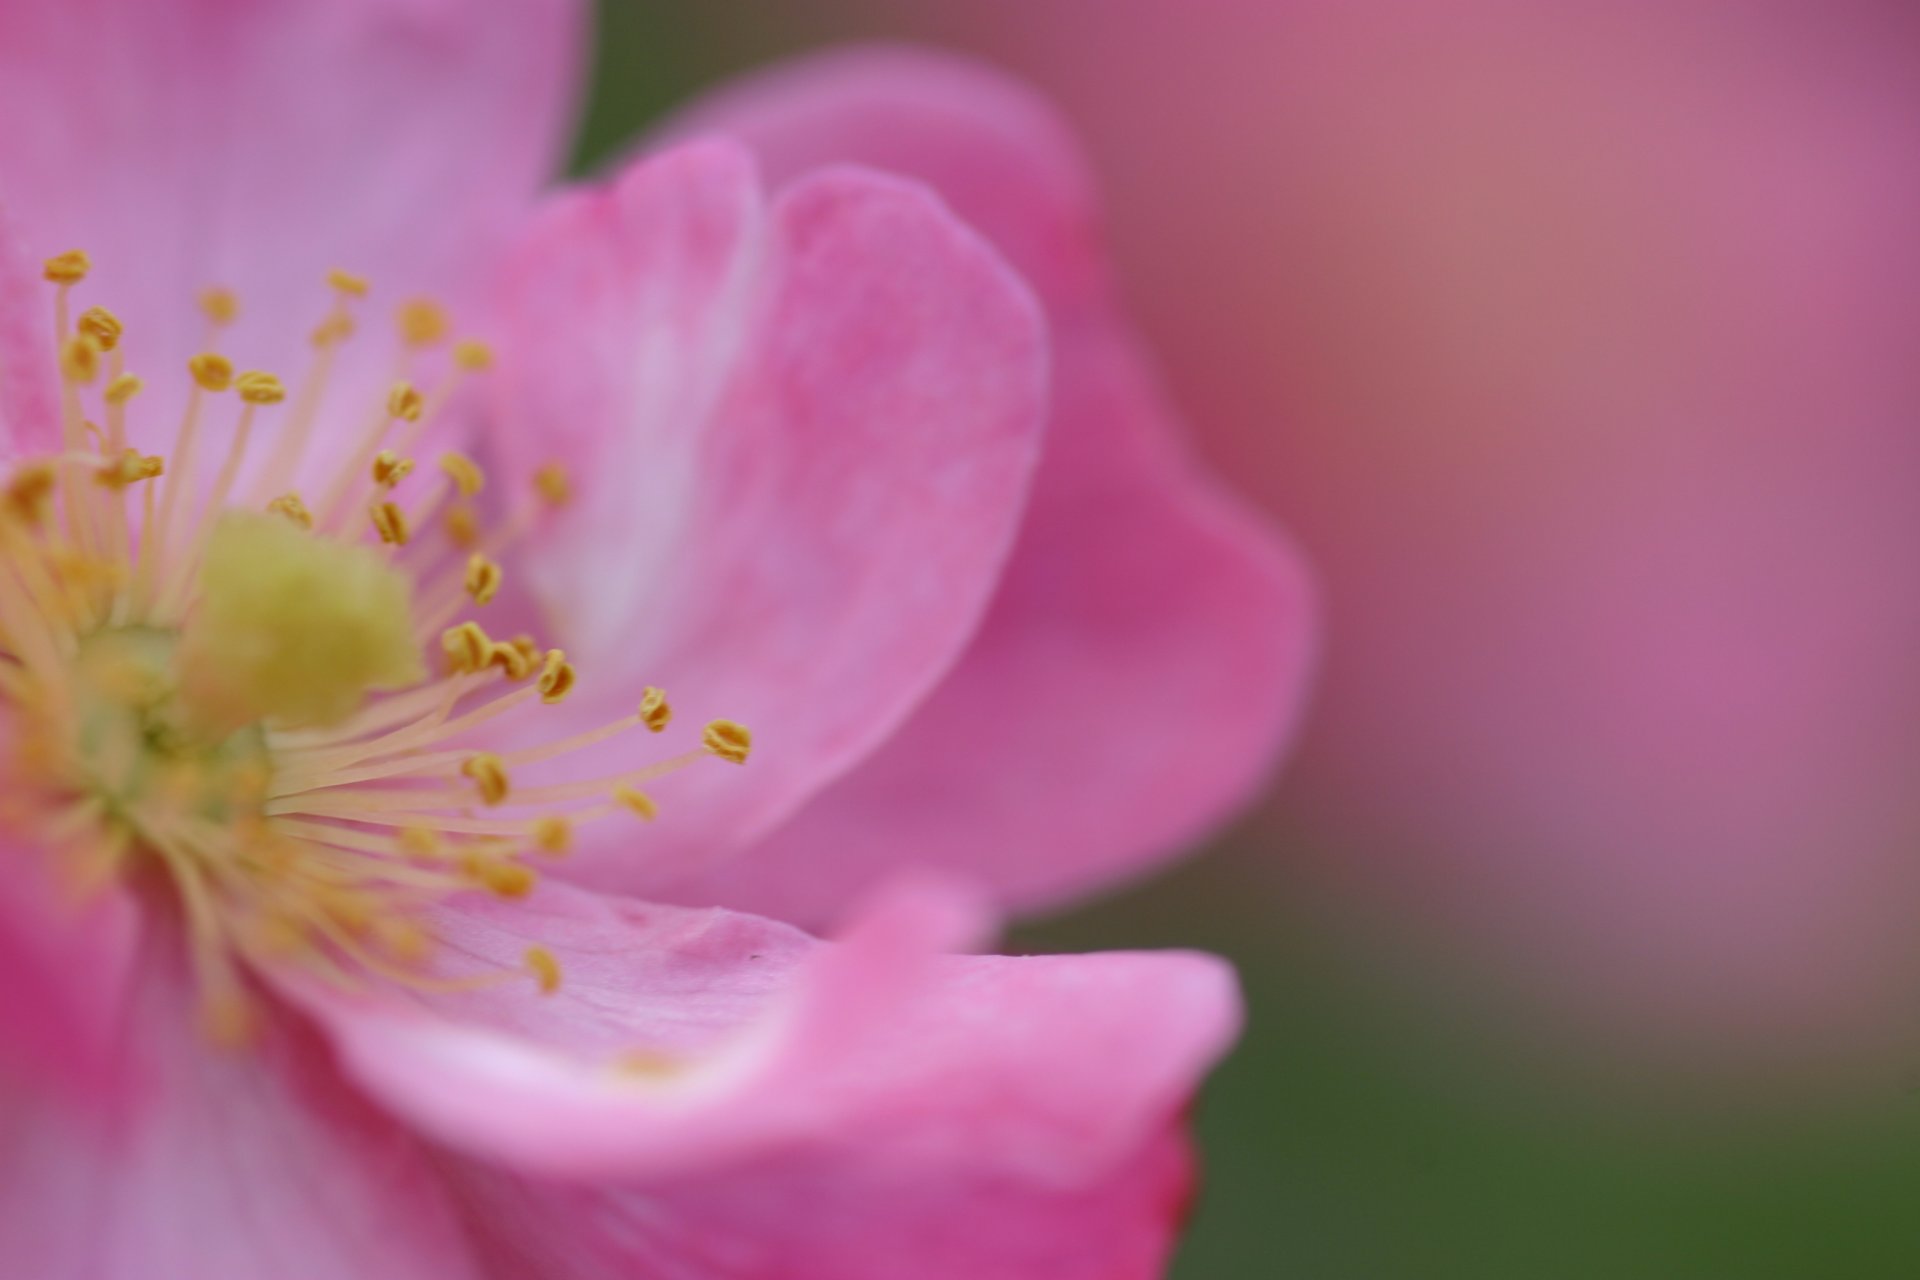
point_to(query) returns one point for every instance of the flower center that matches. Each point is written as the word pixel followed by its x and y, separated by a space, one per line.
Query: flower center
pixel 228 690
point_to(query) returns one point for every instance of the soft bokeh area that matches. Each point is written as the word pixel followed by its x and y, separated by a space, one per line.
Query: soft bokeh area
pixel 1579 345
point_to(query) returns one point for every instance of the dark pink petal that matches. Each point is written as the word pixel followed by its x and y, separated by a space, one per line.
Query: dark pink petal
pixel 1148 649
pixel 801 434
pixel 684 1041
pixel 210 142
pixel 68 962
pixel 838 1213
pixel 249 1163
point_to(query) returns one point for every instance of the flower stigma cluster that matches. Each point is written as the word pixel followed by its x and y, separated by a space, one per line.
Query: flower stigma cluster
pixel 265 707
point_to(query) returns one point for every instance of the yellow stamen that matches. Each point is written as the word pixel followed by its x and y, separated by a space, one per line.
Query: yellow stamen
pixel 346 282
pixel 552 484
pixel 211 370
pixel 473 356
pixel 80 359
pixel 465 473
pixel 422 322
pixel 552 834
pixel 122 389
pixel 655 713
pixel 463 527
pixel 727 739
pixel 102 326
pixel 70 267
pixel 489 776
pixel 546 969
pixel 638 802
pixel 259 388
pixel 290 506
pixel 405 403
pixel 220 306
pixel 556 677
pixel 482 579
pixel 390 522
pixel 389 468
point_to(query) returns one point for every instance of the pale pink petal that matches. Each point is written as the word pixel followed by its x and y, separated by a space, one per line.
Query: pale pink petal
pixel 837 1214
pixel 685 1041
pixel 1149 647
pixel 250 1163
pixel 68 962
pixel 801 434
pixel 203 142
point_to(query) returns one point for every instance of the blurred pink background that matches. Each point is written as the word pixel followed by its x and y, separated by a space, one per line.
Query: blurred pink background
pixel 1577 343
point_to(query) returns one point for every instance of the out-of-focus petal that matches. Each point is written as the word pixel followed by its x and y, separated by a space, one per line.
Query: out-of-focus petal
pixel 248 1163
pixel 255 146
pixel 1148 649
pixel 839 1214
pixel 800 435
pixel 687 1041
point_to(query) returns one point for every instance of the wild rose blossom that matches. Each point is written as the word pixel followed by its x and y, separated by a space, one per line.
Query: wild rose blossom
pixel 354 674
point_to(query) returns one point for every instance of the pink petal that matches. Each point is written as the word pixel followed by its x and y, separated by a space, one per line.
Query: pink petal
pixel 754 1039
pixel 838 1214
pixel 68 964
pixel 801 433
pixel 29 400
pixel 1148 650
pixel 206 142
pixel 249 1163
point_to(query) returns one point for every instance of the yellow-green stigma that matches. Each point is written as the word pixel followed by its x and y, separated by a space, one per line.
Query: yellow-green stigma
pixel 269 712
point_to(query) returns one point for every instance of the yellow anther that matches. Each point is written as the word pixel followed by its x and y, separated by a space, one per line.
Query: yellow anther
pixel 256 387
pixel 389 468
pixel 472 355
pixel 463 527
pixel 80 359
pixel 637 801
pixel 654 711
pixel 465 473
pixel 512 659
pixel 290 506
pixel 556 677
pixel 483 578
pixel 28 490
pixel 551 483
pixel 405 403
pixel 467 648
pixel 70 267
pixel 422 321
pixel 552 834
pixel 489 776
pixel 129 468
pixel 220 305
pixel 348 283
pixel 332 331
pixel 507 879
pixel 152 467
pixel 727 739
pixel 545 969
pixel 529 648
pixel 390 522
pixel 102 326
pixel 213 371
pixel 421 843
pixel 123 388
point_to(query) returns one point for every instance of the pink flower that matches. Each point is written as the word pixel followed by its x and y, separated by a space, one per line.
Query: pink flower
pixel 320 964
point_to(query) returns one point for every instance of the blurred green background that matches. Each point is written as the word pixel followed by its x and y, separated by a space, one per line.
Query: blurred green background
pixel 1366 1128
